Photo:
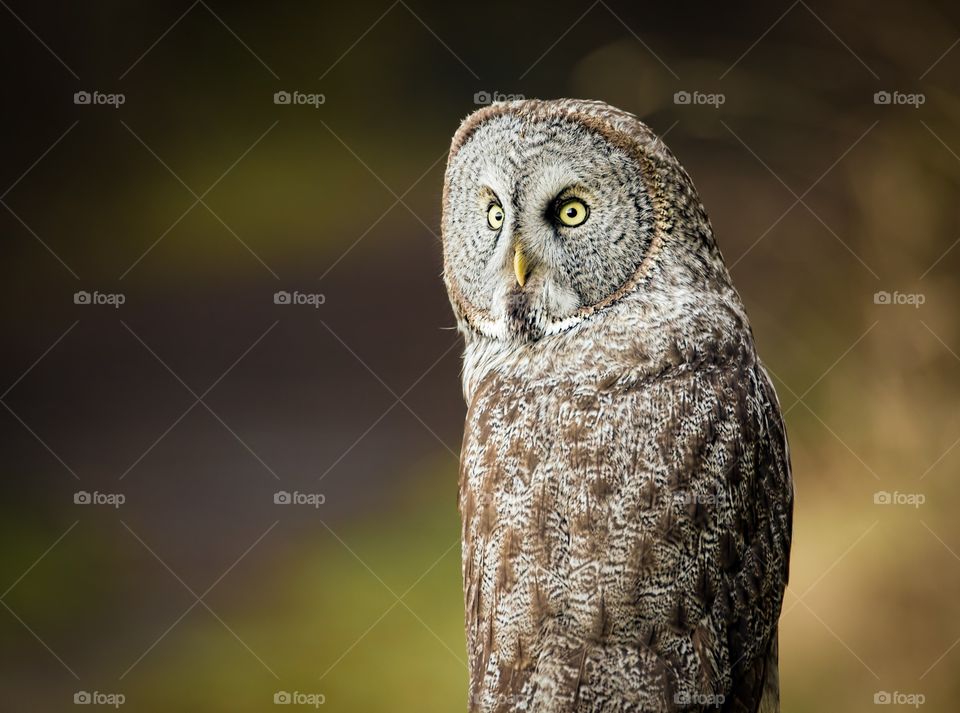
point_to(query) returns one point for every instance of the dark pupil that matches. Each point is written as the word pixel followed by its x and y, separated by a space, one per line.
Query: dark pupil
pixel 571 212
pixel 497 215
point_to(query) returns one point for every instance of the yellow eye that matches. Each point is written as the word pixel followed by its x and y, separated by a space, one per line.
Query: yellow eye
pixel 573 212
pixel 495 216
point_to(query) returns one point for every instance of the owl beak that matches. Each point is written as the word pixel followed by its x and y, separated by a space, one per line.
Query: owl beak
pixel 521 267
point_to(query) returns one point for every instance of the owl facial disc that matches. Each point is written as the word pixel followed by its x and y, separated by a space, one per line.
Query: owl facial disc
pixel 546 219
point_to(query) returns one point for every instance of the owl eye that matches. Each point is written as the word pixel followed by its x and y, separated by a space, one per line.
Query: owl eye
pixel 495 216
pixel 573 212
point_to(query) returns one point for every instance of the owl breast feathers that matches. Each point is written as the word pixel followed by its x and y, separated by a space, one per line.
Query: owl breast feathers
pixel 625 484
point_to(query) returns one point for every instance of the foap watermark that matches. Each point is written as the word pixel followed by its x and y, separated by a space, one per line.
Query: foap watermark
pixel 311 299
pixel 897 98
pixel 298 98
pixel 898 698
pixel 689 497
pixel 85 497
pixel 284 497
pixel 299 698
pixel 696 98
pixel 884 497
pixel 914 299
pixel 84 98
pixel 483 97
pixel 692 698
pixel 99 698
pixel 111 299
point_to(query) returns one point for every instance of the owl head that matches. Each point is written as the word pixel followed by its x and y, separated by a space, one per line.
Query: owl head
pixel 555 211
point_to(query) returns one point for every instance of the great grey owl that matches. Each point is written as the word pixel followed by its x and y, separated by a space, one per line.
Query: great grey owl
pixel 625 484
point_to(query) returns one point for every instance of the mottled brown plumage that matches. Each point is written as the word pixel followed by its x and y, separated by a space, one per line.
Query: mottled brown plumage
pixel 625 483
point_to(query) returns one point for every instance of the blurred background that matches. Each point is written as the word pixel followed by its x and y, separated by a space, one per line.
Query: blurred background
pixel 213 495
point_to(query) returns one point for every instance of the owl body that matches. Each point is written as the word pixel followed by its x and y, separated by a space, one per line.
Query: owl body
pixel 625 486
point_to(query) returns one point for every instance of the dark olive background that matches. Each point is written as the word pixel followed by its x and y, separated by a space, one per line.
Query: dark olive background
pixel 819 197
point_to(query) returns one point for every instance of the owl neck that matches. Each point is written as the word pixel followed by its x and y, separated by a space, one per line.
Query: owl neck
pixel 663 326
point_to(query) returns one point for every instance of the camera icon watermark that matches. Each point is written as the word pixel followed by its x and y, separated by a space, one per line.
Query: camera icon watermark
pixel 693 698
pixel 484 97
pixel 111 299
pixel 898 698
pixel 695 98
pixel 97 698
pixel 84 98
pixel 85 497
pixel 690 498
pixel 298 698
pixel 282 297
pixel 884 497
pixel 897 98
pixel 298 98
pixel 914 299
pixel 284 497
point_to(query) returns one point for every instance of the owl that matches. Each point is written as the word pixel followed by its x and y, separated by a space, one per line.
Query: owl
pixel 625 486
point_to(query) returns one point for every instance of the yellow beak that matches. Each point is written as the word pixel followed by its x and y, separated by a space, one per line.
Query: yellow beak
pixel 520 265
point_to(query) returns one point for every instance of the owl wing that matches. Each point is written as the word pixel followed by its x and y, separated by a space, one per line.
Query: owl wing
pixel 756 575
pixel 710 552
